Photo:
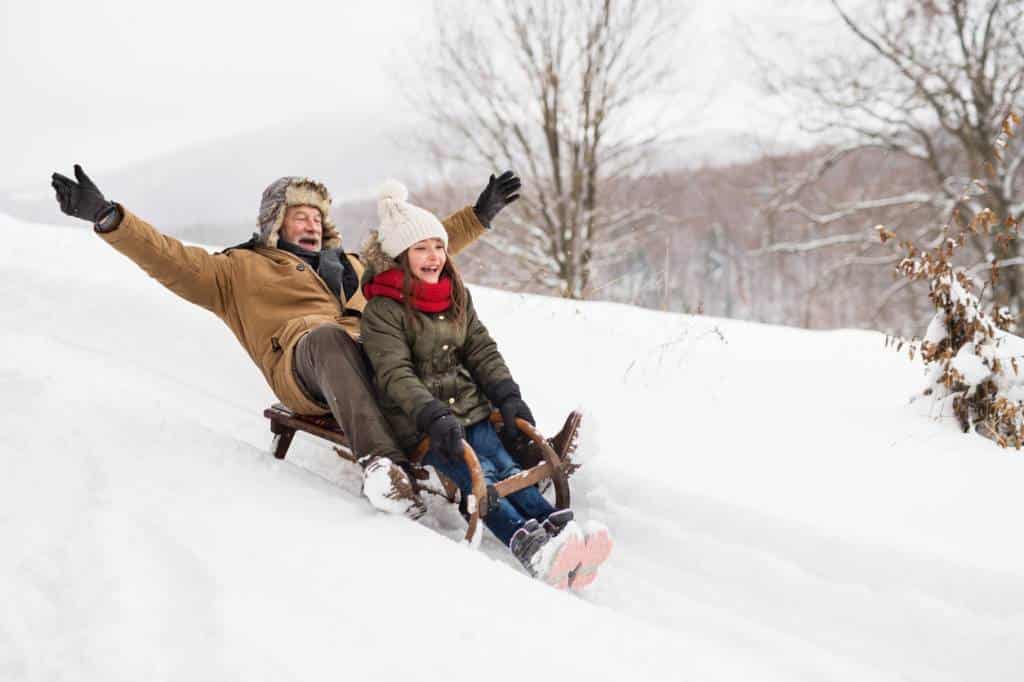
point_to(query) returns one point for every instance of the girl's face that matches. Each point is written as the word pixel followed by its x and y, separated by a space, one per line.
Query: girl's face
pixel 426 258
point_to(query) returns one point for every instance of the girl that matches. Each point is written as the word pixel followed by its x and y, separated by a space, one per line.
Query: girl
pixel 439 374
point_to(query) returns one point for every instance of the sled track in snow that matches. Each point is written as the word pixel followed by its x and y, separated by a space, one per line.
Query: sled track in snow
pixel 724 573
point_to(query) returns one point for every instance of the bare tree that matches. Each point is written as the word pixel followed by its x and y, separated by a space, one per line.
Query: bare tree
pixel 930 86
pixel 560 91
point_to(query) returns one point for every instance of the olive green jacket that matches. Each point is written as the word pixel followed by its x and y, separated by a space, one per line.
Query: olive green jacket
pixel 432 357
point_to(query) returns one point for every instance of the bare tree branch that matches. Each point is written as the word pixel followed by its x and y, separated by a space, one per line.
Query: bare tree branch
pixel 930 83
pixel 549 92
pixel 811 245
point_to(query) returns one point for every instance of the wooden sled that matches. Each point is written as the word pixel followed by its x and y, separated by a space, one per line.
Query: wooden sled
pixel 551 466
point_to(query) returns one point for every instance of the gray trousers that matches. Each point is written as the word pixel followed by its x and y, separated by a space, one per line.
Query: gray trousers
pixel 332 371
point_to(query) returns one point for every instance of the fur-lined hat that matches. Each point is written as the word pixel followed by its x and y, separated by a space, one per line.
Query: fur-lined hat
pixel 401 223
pixel 295 191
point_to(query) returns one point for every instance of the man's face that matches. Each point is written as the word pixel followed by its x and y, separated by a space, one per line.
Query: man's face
pixel 303 226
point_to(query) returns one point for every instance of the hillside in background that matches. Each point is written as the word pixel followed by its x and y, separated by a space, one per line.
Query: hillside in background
pixel 709 250
pixel 214 189
pixel 210 192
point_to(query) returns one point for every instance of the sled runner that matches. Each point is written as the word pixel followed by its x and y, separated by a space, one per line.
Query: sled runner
pixel 547 463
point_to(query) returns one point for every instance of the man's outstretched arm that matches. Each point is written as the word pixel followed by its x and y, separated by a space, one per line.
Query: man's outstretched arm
pixel 189 271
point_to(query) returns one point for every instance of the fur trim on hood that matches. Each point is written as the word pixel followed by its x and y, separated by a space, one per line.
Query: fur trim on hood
pixel 374 258
pixel 295 191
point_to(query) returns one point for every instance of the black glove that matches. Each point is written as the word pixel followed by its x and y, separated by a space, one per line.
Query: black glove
pixel 445 431
pixel 82 199
pixel 498 194
pixel 505 396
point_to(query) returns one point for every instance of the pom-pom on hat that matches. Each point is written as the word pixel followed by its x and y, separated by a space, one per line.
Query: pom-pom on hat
pixel 401 223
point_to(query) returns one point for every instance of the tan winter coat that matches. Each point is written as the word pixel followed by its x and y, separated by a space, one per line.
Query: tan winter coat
pixel 268 297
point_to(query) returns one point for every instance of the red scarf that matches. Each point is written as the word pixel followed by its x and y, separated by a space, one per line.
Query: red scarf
pixel 426 297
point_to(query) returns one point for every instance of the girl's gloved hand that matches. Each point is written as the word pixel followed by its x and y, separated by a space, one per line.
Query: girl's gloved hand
pixel 446 435
pixel 511 409
pixel 505 396
pixel 445 431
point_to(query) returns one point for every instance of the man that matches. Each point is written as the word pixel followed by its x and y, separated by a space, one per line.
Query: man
pixel 291 296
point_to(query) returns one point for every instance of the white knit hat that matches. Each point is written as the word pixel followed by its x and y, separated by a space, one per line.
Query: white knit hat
pixel 401 223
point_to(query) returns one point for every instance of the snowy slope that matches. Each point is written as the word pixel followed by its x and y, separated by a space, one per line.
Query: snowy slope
pixel 781 512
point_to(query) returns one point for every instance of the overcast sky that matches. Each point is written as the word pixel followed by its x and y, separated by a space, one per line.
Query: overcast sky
pixel 126 80
pixel 149 77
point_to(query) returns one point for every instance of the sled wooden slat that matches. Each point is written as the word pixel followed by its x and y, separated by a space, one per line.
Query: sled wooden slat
pixel 523 479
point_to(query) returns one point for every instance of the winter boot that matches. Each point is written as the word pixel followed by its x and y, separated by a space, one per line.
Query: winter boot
pixel 556 521
pixel 565 441
pixel 528 455
pixel 388 488
pixel 549 559
pixel 598 547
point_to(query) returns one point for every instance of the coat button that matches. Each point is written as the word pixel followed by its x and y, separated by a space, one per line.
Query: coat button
pixel 440 317
pixel 444 347
pixel 300 266
pixel 451 401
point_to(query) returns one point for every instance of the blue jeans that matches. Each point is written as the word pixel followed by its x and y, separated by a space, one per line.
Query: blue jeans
pixel 512 511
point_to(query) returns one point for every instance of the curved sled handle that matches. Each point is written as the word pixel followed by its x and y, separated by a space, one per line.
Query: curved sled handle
pixel 558 476
pixel 477 504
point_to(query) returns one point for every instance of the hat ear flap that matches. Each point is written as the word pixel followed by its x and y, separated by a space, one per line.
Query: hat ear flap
pixel 273 234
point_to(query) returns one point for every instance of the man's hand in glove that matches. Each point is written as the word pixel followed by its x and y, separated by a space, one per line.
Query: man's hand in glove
pixel 81 199
pixel 499 193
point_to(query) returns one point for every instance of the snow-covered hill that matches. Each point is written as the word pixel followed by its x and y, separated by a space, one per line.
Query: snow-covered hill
pixel 781 512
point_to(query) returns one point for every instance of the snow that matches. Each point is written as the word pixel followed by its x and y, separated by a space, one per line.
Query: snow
pixel 781 512
pixel 376 486
pixel 970 365
pixel 936 329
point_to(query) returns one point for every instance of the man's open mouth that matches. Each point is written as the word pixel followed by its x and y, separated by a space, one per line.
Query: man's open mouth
pixel 307 242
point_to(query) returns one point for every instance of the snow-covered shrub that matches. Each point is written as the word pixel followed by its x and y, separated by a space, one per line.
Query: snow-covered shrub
pixel 974 362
